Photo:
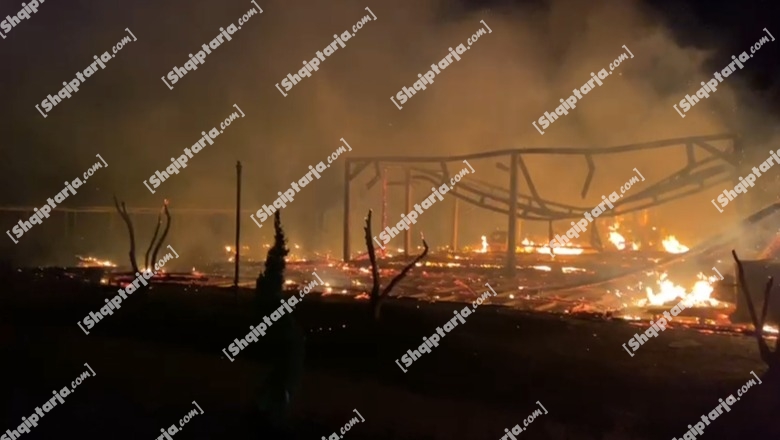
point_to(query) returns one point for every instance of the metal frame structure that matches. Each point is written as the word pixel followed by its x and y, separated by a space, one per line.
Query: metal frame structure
pixel 715 167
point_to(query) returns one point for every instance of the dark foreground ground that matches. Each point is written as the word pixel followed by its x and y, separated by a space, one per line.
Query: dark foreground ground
pixel 158 354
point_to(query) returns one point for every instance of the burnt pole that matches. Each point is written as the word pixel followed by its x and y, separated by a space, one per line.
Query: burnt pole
pixel 511 258
pixel 407 209
pixel 347 167
pixel 455 210
pixel 384 199
pixel 238 226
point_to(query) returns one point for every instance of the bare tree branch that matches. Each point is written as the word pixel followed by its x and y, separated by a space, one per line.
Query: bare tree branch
pixel 165 231
pixel 378 296
pixel 372 258
pixel 154 238
pixel 763 348
pixel 406 269
pixel 123 213
pixel 765 307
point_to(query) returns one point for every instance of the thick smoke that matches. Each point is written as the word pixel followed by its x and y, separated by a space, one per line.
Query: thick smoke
pixel 535 55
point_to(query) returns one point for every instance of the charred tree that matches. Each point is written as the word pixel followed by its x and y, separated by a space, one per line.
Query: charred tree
pixel 154 237
pixel 755 416
pixel 165 234
pixel 126 217
pixel 122 209
pixel 771 358
pixel 377 295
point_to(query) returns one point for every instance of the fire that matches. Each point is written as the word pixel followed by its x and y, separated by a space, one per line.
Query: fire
pixel 669 292
pixel 673 246
pixel 531 247
pixel 618 240
pixel 567 249
pixel 94 262
pixel 484 245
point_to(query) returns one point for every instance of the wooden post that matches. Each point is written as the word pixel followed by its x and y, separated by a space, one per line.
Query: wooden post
pixel 238 226
pixel 347 168
pixel 384 199
pixel 407 208
pixel 454 242
pixel 511 258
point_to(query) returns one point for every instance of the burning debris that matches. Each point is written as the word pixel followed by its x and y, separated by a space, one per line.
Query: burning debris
pixel 673 246
pixel 645 271
pixel 92 262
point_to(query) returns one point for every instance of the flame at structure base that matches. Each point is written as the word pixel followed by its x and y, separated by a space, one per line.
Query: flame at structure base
pixel 671 293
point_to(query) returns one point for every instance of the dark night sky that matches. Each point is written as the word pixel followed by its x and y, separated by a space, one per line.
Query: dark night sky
pixel 537 51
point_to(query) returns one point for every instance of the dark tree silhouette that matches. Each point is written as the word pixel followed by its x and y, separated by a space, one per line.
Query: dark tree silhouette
pixel 377 295
pixel 271 281
pixel 122 209
pixel 284 339
pixel 771 358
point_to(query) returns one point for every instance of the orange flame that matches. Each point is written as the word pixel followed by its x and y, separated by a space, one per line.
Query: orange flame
pixel 669 292
pixel 673 246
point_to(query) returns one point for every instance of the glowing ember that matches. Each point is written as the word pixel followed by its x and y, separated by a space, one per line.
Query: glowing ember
pixel 673 246
pixel 568 249
pixel 669 292
pixel 572 269
pixel 631 318
pixel 94 262
pixel 531 247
